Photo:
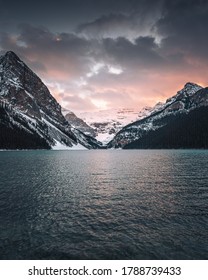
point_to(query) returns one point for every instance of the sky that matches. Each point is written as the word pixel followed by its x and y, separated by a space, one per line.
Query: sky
pixel 95 54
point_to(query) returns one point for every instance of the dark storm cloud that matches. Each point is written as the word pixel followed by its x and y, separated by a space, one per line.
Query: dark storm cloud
pixel 43 39
pixel 143 51
pixel 59 53
pixel 184 26
pixel 69 52
pixel 116 25
pixel 137 19
pixel 124 47
pixel 65 15
pixel 106 24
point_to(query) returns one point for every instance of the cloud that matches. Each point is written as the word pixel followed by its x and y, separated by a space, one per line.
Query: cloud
pixel 111 25
pixel 138 22
pixel 183 27
pixel 63 55
pixel 78 103
pixel 143 52
pixel 130 53
pixel 113 97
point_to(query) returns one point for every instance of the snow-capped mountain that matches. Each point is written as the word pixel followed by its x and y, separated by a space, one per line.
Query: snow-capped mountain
pixel 28 108
pixel 30 118
pixel 78 123
pixel 163 119
pixel 106 123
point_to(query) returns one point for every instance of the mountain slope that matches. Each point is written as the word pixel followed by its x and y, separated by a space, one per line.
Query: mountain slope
pixel 15 133
pixel 183 131
pixel 106 123
pixel 78 123
pixel 146 132
pixel 28 102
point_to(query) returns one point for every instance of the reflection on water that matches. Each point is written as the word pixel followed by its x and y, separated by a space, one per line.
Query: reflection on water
pixel 104 204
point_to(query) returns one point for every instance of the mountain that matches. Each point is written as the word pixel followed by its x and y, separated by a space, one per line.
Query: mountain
pixel 30 117
pixel 78 123
pixel 106 123
pixel 178 123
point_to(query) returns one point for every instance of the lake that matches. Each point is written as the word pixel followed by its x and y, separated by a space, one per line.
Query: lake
pixel 104 204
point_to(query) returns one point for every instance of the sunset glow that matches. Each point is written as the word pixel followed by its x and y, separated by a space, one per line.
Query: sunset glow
pixel 127 54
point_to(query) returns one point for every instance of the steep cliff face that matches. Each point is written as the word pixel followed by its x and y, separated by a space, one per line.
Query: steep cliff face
pixel 24 90
pixel 27 101
pixel 78 123
pixel 165 116
pixel 17 132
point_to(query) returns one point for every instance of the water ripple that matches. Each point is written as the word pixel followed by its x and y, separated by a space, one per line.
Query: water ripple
pixel 104 205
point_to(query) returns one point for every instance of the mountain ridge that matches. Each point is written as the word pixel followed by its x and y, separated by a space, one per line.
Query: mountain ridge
pixel 25 99
pixel 27 108
pixel 192 96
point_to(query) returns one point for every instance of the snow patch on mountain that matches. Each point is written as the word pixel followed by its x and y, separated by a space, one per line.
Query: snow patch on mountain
pixel 156 117
pixel 28 104
pixel 107 123
pixel 104 124
pixel 60 147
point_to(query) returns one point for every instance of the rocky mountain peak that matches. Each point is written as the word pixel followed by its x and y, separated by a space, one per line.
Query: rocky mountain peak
pixel 78 123
pixel 10 59
pixel 190 84
pixel 28 108
pixel 188 100
pixel 10 55
pixel 24 90
pixel 190 89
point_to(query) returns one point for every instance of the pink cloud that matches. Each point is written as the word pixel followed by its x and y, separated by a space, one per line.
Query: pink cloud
pixel 64 62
